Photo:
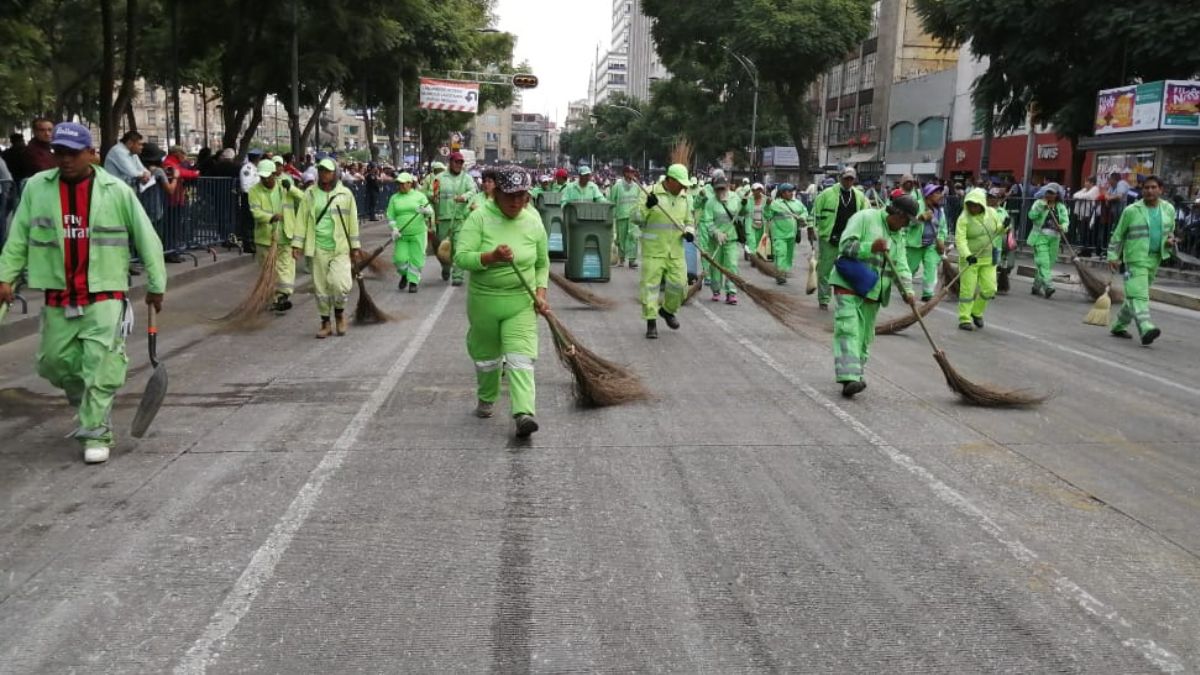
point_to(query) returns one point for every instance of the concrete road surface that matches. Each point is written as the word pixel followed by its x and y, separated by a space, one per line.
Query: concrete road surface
pixel 306 506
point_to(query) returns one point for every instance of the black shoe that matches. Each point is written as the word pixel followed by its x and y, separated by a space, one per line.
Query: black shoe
pixel 692 279
pixel 1123 334
pixel 403 283
pixel 780 281
pixel 849 389
pixel 1048 292
pixel 978 320
pixel 1150 336
pixel 1035 291
pixel 651 329
pixel 965 326
pixel 456 282
pixel 633 264
pixel 672 322
pixel 445 274
pixel 283 304
pixel 824 306
pixel 926 298
pixel 526 425
pixel 412 288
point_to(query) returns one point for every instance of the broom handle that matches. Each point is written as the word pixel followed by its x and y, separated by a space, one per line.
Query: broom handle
pixel 529 289
pixel 937 350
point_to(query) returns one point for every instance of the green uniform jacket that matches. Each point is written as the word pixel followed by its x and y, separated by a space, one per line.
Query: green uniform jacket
pixel 488 227
pixel 660 238
pixel 786 213
pixel 626 195
pixel 825 207
pixel 862 231
pixel 427 184
pixel 1130 242
pixel 342 209
pixel 266 203
pixel 1002 217
pixel 975 235
pixel 589 193
pixel 401 210
pixel 1039 212
pixel 558 187
pixel 449 187
pixel 714 219
pixel 35 238
pixel 916 231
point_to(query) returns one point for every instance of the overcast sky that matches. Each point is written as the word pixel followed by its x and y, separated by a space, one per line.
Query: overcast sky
pixel 558 38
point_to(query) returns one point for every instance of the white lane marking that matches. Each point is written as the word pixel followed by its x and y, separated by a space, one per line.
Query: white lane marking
pixel 1091 357
pixel 262 565
pixel 1163 659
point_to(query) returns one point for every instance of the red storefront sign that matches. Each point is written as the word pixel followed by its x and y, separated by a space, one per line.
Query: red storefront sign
pixel 1052 155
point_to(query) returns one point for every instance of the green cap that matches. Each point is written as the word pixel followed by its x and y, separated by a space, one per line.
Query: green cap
pixel 278 160
pixel 437 166
pixel 266 168
pixel 327 164
pixel 585 171
pixel 678 172
pixel 405 177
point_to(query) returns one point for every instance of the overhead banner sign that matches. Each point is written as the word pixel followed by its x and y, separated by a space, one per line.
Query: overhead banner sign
pixel 453 95
pixel 1181 105
pixel 1132 108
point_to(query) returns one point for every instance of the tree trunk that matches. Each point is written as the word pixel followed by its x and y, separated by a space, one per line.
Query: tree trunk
pixel 130 118
pixel 314 121
pixel 795 112
pixel 108 72
pixel 251 128
pixel 124 100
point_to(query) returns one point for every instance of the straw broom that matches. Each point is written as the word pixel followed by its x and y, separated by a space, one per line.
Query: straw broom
pixel 896 325
pixel 810 286
pixel 969 392
pixel 598 381
pixel 365 310
pixel 767 267
pixel 1099 314
pixel 693 290
pixel 580 293
pixel 248 313
pixel 779 305
pixel 1091 282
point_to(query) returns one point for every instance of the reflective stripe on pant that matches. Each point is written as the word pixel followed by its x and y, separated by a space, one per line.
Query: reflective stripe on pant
pixel 927 258
pixel 655 272
pixel 827 253
pixel 979 277
pixel 408 255
pixel 627 239
pixel 85 357
pixel 1045 254
pixel 503 330
pixel 332 280
pixel 727 255
pixel 853 332
pixel 1136 308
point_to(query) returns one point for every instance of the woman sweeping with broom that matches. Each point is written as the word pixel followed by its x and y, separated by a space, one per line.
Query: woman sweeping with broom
pixel 407 212
pixel 501 244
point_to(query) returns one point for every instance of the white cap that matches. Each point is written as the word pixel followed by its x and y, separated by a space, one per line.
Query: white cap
pixel 849 172
pixel 757 186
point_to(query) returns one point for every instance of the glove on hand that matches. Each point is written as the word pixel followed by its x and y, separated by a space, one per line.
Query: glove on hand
pixel 395 234
pixel 971 260
pixel 651 201
pixel 722 238
pixel 689 236
pixel 425 210
pixel 879 246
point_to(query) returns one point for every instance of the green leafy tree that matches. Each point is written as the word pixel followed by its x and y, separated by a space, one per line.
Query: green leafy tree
pixel 790 42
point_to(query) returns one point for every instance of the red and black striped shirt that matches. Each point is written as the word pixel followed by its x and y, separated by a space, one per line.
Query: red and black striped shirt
pixel 76 200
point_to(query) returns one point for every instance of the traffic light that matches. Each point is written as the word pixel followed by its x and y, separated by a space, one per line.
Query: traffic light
pixel 524 81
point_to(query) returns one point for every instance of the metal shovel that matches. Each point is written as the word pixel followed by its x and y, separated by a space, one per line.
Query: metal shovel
pixel 156 388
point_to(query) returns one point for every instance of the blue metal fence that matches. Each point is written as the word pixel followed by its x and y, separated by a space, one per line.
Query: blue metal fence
pixel 200 215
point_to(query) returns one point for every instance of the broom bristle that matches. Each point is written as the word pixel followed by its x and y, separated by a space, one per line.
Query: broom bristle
pixel 896 325
pixel 693 290
pixel 983 396
pixel 249 313
pixel 365 310
pixel 1091 282
pixel 580 293
pixel 681 153
pixel 949 271
pixel 598 381
pixel 781 306
pixel 810 286
pixel 1099 314
pixel 379 266
pixel 766 267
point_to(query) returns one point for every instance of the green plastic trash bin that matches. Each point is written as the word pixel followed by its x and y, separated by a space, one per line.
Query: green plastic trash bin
pixel 589 240
pixel 549 206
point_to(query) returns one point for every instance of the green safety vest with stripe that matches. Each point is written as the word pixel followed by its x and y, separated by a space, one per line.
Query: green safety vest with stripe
pixel 1130 241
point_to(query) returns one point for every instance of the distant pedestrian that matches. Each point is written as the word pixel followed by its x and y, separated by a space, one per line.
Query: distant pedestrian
pixel 328 233
pixel 124 161
pixel 1050 222
pixel 1144 238
pixel 38 154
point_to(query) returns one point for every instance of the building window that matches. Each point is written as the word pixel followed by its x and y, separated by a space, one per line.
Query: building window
pixel 151 117
pixel 493 120
pixel 901 137
pixel 868 71
pixel 851 83
pixel 835 81
pixel 874 21
pixel 864 118
pixel 931 133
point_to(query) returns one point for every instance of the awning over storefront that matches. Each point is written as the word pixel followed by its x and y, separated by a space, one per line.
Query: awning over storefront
pixel 860 157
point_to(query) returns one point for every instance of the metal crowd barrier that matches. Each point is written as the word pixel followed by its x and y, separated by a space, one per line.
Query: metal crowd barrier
pixel 371 204
pixel 202 214
pixel 1091 222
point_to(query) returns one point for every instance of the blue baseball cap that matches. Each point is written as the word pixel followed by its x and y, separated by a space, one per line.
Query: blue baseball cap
pixel 71 135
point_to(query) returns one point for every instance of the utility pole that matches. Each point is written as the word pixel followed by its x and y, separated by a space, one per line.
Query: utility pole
pixel 175 68
pixel 294 122
pixel 399 161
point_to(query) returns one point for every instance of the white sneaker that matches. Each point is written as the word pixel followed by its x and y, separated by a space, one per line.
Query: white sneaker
pixel 95 455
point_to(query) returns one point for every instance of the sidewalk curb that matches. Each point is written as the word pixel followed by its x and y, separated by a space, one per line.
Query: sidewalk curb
pixel 22 325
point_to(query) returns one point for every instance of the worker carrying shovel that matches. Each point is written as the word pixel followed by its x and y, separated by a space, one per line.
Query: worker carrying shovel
pixel 72 231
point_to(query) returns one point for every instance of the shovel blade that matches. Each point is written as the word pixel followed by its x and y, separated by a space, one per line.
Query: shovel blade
pixel 152 399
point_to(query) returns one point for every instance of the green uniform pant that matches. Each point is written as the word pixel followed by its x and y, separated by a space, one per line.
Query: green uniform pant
pixel 408 255
pixel 754 236
pixel 827 255
pixel 976 287
pixel 705 243
pixel 657 271
pixel 332 280
pixel 853 332
pixel 627 239
pixel 503 333
pixel 1136 308
pixel 1045 254
pixel 783 245
pixel 285 268
pixel 727 255
pixel 85 357
pixel 449 228
pixel 927 259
